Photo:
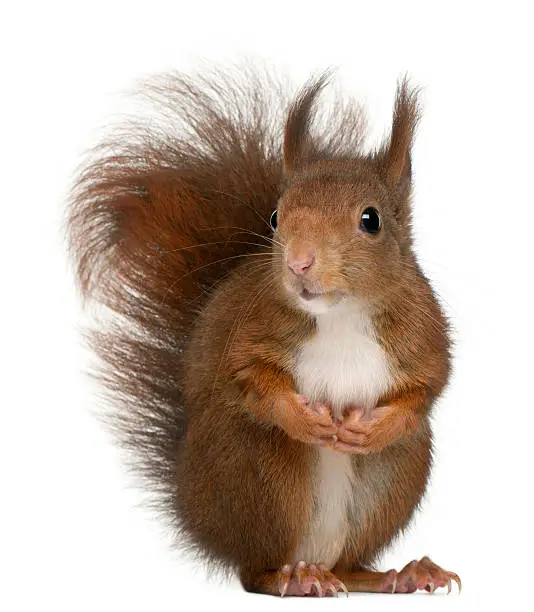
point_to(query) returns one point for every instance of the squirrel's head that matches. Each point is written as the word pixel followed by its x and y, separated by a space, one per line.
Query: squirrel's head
pixel 342 225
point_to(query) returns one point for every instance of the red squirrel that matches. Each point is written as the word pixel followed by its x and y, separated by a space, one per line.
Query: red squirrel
pixel 274 349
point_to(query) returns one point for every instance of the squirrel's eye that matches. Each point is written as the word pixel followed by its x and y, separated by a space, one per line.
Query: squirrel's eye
pixel 370 220
pixel 274 220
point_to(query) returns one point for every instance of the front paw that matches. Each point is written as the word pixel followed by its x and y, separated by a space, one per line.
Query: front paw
pixel 363 433
pixel 306 421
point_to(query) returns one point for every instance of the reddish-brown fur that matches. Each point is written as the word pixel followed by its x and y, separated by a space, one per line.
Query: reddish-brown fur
pixel 170 232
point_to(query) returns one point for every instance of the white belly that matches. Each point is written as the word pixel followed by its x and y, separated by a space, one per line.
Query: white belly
pixel 342 364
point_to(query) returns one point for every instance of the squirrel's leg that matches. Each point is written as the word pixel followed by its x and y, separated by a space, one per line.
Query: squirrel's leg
pixel 417 575
pixel 302 579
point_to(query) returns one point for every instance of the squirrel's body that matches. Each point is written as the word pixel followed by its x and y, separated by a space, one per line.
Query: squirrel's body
pixel 343 502
pixel 280 409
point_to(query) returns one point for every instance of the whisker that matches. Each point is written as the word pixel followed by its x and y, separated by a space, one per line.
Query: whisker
pixel 211 263
pixel 252 269
pixel 243 229
pixel 245 203
pixel 203 244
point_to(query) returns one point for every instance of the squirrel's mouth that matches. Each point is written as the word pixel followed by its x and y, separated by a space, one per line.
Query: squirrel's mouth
pixel 310 295
pixel 329 297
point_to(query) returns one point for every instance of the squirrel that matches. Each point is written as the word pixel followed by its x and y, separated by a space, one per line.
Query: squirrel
pixel 273 350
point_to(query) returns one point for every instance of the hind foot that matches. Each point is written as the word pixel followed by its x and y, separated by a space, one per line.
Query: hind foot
pixel 425 575
pixel 300 580
pixel 417 575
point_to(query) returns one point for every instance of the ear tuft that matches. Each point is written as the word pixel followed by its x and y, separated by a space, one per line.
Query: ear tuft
pixel 299 119
pixel 397 150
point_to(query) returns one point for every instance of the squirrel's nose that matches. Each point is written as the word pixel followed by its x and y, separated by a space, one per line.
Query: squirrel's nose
pixel 300 258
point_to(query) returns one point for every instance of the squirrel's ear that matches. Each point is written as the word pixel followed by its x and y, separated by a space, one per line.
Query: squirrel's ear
pixel 297 144
pixel 396 152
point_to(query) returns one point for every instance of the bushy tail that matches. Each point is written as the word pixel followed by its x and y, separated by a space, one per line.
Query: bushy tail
pixel 160 213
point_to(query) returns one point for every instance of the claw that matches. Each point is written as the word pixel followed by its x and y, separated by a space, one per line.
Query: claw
pixel 283 585
pixel 284 580
pixel 456 579
pixel 318 587
pixel 343 588
pixel 332 589
pixel 298 571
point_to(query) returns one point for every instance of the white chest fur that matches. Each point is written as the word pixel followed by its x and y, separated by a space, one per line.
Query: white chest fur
pixel 341 364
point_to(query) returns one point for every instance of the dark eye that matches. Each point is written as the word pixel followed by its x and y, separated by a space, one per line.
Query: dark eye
pixel 274 220
pixel 370 220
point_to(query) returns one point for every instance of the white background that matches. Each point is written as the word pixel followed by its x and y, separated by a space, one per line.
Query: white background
pixel 72 536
